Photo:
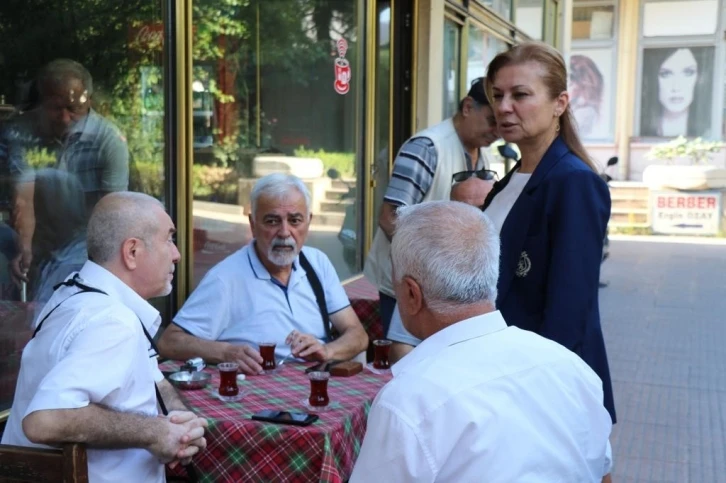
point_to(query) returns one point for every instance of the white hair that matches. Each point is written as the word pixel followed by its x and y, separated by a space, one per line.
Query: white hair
pixel 277 186
pixel 452 251
pixel 117 217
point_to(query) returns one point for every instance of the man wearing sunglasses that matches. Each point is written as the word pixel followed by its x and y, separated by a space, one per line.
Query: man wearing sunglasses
pixel 472 187
pixel 423 171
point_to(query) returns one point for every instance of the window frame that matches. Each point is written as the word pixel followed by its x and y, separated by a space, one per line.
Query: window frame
pixel 580 45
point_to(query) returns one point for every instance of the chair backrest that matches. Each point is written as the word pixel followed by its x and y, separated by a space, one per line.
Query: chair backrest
pixel 37 465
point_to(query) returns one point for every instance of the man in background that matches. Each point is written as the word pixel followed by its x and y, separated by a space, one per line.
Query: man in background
pixel 422 171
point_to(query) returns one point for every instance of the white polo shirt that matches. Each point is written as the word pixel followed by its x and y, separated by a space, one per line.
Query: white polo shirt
pixel 239 302
pixel 480 401
pixel 92 349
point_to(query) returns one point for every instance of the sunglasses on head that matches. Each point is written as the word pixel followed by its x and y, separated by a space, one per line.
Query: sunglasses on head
pixel 485 174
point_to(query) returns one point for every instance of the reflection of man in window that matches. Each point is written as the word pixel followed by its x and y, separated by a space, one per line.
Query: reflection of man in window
pixel 62 131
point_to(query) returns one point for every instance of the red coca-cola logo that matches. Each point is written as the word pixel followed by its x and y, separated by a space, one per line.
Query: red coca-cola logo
pixel 147 36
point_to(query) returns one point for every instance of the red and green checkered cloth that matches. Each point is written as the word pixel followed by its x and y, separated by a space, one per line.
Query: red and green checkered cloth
pixel 240 449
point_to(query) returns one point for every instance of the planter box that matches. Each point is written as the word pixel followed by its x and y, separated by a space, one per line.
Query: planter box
pixel 659 176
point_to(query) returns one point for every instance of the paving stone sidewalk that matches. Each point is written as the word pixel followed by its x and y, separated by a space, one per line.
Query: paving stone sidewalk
pixel 664 319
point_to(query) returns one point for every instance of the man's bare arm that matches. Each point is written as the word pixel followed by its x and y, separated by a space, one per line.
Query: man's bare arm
pixel 398 350
pixel 179 345
pixel 353 338
pixel 387 218
pixel 171 397
pixel 100 427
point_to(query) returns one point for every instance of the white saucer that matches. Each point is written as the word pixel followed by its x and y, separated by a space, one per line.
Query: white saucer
pixel 370 367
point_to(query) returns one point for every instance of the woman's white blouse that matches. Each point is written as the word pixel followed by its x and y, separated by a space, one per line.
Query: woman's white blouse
pixel 502 203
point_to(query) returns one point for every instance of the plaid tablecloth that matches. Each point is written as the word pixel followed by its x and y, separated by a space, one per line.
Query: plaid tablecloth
pixel 364 299
pixel 240 449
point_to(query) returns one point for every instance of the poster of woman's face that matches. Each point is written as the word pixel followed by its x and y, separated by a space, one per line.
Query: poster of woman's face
pixel 677 91
pixel 590 92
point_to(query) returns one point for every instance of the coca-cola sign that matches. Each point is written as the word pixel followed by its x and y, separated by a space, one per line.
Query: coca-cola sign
pixel 149 36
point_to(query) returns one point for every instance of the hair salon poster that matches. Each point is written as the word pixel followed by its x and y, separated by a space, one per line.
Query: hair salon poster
pixel 677 92
pixel 591 92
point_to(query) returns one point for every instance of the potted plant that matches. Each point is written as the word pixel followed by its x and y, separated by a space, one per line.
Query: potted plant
pixel 698 174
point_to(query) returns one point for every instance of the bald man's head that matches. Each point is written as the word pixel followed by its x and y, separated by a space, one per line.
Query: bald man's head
pixel 117 217
pixel 473 191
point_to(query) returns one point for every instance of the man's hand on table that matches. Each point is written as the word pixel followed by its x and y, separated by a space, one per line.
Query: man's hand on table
pixel 307 347
pixel 249 359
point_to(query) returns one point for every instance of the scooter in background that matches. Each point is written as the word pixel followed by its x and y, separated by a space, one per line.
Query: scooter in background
pixel 510 156
pixel 606 243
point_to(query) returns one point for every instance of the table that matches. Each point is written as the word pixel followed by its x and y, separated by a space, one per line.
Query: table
pixel 364 299
pixel 240 449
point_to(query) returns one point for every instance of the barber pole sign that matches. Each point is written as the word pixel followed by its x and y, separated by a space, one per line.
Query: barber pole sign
pixel 692 213
pixel 342 69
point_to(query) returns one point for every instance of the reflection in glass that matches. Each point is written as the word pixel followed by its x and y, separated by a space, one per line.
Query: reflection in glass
pixel 592 22
pixel 275 89
pixel 452 34
pixel 81 115
pixel 383 104
pixel 529 17
pixel 481 50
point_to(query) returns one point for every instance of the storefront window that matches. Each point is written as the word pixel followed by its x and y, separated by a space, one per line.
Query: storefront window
pixel 483 47
pixel 452 35
pixel 592 22
pixel 277 88
pixel 105 64
pixel 502 7
pixel 671 19
pixel 677 91
pixel 529 17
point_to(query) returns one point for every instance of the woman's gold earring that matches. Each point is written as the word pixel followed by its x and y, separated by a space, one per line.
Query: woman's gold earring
pixel 557 128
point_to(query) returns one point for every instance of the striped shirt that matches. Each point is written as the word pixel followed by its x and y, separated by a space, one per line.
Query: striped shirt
pixel 413 172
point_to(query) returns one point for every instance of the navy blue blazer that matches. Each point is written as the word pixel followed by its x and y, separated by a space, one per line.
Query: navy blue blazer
pixel 551 249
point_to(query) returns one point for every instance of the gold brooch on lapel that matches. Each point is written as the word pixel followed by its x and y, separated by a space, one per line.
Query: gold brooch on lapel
pixel 524 265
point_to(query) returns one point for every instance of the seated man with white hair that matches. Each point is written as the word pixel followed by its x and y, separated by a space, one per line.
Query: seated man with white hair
pixel 264 293
pixel 472 191
pixel 476 400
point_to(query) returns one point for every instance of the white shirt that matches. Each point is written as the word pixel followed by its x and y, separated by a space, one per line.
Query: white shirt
pixel 239 302
pixel 92 349
pixel 502 203
pixel 480 401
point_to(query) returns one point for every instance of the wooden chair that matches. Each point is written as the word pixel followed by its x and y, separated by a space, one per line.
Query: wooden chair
pixel 36 465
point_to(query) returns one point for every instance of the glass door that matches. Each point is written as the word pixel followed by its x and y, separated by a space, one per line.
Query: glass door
pixel 276 88
pixel 392 93
pixel 82 112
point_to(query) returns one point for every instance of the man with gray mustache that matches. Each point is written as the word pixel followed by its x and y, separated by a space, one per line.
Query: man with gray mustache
pixel 263 293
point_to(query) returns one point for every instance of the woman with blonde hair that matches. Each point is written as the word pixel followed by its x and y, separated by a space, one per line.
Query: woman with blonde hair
pixel 551 209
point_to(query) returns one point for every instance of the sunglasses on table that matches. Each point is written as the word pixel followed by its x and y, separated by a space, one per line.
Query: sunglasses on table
pixel 485 174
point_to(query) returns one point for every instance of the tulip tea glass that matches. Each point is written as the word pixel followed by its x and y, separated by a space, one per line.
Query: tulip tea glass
pixel 267 351
pixel 381 348
pixel 228 379
pixel 319 389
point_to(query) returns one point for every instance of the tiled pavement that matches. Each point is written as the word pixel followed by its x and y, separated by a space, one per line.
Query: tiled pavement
pixel 664 319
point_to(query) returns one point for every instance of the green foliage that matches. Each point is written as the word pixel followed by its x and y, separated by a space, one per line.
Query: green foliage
pixel 697 150
pixel 215 183
pixel 343 162
pixel 147 177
